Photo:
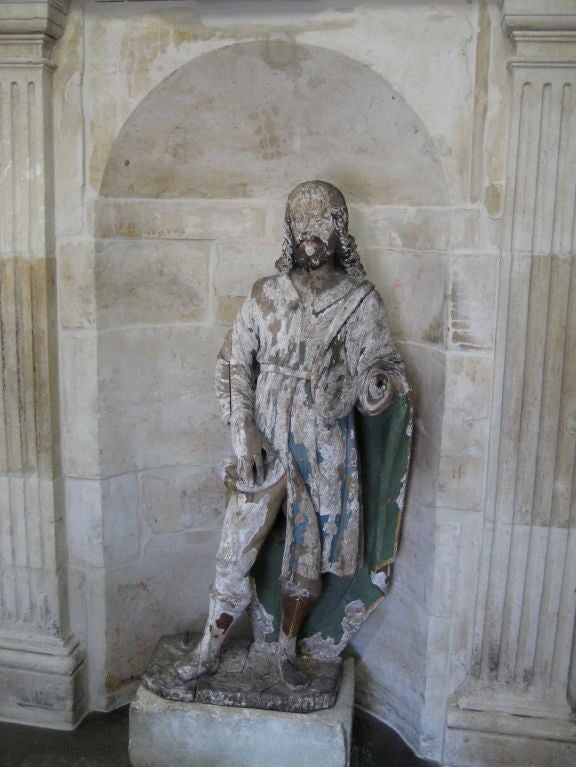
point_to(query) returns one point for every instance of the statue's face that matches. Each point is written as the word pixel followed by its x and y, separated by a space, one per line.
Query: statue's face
pixel 313 232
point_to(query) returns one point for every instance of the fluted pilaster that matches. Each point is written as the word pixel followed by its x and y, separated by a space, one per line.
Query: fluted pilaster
pixel 526 606
pixel 38 660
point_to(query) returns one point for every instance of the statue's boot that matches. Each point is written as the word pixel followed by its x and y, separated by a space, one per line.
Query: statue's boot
pixel 204 659
pixel 294 610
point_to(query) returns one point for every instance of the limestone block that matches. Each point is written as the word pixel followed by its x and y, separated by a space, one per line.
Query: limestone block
pixel 276 212
pixel 414 566
pixel 464 572
pixel 77 304
pixel 391 672
pixel 80 439
pixel 426 372
pixel 84 522
pixel 465 430
pixel 157 402
pixel 182 498
pixel 414 228
pixel 102 521
pixel 441 590
pixel 240 264
pixel 166 733
pixel 226 308
pixel 151 282
pixel 437 689
pixel 166 591
pixel 472 301
pixel 407 280
pixel 120 519
pixel 179 219
pixel 68 125
pixel 485 749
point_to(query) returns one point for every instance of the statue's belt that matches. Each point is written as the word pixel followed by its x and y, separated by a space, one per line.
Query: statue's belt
pixel 349 305
pixel 267 367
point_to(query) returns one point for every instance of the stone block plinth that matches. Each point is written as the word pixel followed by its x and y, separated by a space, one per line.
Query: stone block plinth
pixel 167 733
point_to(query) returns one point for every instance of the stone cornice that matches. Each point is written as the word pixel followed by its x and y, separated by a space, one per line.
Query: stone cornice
pixel 29 28
pixel 541 31
pixel 553 16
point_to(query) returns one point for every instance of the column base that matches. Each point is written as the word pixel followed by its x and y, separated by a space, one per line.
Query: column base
pixel 42 681
pixel 505 739
pixel 168 733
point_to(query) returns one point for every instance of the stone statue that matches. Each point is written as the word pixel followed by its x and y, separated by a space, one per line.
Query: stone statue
pixel 309 354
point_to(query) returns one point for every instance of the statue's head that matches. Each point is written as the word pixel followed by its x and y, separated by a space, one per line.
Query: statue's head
pixel 316 227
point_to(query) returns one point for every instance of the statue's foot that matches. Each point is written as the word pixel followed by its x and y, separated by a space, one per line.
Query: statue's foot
pixel 191 667
pixel 194 665
pixel 291 674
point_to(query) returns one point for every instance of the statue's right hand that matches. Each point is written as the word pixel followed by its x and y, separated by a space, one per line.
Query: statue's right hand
pixel 251 447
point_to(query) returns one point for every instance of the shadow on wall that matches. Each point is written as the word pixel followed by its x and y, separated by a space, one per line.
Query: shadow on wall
pixel 189 215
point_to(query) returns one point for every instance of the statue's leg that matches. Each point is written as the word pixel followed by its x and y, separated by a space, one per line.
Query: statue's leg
pixel 295 608
pixel 249 517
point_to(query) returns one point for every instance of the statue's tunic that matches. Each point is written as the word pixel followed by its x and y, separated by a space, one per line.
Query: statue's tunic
pixel 299 363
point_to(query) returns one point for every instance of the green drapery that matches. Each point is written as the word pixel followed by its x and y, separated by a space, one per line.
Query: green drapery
pixel 384 444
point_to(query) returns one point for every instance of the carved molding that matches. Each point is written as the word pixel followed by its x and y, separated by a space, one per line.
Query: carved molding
pixel 547 38
pixel 28 30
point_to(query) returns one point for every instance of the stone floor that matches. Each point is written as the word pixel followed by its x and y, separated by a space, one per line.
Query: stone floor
pixel 102 741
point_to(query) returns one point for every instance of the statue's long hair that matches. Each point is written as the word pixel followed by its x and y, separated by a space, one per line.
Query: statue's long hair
pixel 346 256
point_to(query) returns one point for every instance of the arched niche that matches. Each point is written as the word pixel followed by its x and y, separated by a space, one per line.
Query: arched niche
pixel 187 217
pixel 252 120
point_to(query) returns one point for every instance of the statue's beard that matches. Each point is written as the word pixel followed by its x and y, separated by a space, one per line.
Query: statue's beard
pixel 311 253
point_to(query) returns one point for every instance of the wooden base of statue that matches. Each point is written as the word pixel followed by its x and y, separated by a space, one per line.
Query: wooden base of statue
pixel 247 677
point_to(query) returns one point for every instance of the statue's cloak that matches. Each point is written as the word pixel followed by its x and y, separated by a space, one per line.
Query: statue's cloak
pixel 384 444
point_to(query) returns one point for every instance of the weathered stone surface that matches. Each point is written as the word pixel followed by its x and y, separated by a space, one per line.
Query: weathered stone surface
pixel 478 749
pixel 147 597
pixel 182 498
pixel 76 283
pixel 472 300
pixel 102 521
pixel 169 732
pixel 277 88
pixel 151 282
pixel 426 368
pixel 68 117
pixel 388 685
pixel 407 280
pixel 42 681
pixel 465 430
pixel 156 402
pixel 79 380
pixel 240 264
pixel 420 229
pixel 178 219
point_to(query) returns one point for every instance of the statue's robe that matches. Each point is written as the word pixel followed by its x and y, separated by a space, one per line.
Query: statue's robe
pixel 305 368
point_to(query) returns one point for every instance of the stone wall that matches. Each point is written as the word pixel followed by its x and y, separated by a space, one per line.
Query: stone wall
pixel 178 129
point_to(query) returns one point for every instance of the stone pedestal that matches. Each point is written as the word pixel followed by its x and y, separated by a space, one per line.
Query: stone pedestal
pixel 167 733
